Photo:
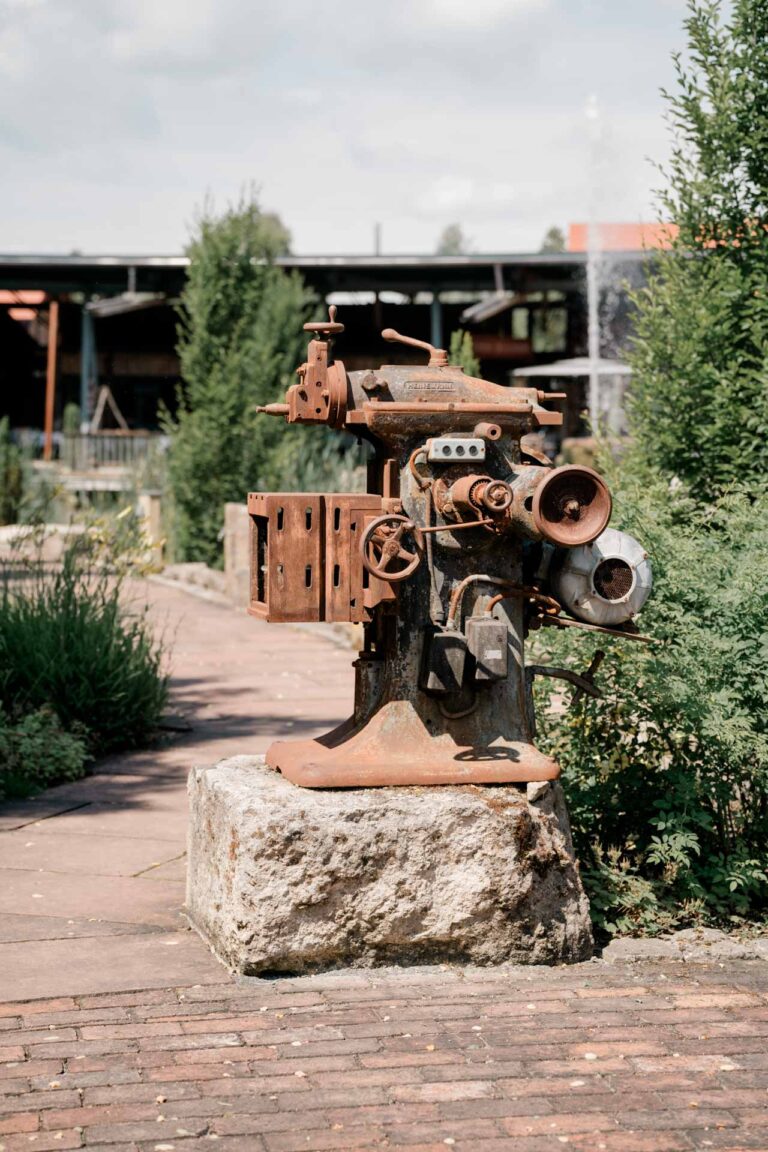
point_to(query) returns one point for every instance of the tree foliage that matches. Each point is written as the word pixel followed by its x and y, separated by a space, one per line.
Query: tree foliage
pixel 240 339
pixel 700 395
pixel 452 241
pixel 462 352
pixel 667 774
pixel 11 475
pixel 554 240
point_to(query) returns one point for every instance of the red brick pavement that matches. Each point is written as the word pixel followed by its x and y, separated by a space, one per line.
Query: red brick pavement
pixel 627 1058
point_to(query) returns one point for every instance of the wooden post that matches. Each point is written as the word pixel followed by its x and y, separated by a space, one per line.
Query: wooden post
pixel 50 377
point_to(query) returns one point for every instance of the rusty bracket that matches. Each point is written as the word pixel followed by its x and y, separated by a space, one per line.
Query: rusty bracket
pixel 583 684
pixel 620 633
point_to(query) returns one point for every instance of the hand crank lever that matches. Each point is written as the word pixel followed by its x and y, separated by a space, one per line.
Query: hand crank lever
pixel 438 357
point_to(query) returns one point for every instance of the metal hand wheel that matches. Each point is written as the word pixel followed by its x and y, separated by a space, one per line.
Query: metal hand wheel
pixel 384 554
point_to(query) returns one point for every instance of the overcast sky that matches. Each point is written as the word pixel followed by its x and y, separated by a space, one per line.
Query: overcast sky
pixel 117 117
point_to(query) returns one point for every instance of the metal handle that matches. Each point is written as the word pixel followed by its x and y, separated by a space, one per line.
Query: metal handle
pixel 438 357
pixel 325 327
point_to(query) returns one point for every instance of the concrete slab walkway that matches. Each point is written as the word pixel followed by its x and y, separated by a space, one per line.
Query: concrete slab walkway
pixel 119 1031
pixel 92 873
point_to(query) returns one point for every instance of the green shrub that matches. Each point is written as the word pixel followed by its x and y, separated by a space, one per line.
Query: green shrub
pixel 11 476
pixel 462 352
pixel 36 751
pixel 667 775
pixel 308 459
pixel 69 641
pixel 240 340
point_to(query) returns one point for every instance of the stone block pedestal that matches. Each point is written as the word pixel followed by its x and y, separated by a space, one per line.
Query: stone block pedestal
pixel 288 880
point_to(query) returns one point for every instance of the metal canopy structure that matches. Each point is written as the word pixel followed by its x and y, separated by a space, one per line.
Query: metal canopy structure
pixel 113 274
pixel 118 318
pixel 576 366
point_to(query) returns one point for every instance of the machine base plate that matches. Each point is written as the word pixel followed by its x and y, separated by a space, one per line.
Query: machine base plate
pixel 366 760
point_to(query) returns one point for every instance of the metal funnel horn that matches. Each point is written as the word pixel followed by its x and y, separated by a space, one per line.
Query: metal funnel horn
pixel 571 506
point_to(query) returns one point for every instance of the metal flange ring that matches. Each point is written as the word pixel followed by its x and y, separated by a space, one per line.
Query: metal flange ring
pixel 384 555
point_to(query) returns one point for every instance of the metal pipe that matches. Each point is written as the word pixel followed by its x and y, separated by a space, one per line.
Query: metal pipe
pixel 456 527
pixel 436 609
pixel 523 593
pixel 50 378
pixel 436 320
pixel 458 592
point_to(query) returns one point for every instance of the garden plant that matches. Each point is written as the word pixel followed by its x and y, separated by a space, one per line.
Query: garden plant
pixel 81 671
pixel 667 774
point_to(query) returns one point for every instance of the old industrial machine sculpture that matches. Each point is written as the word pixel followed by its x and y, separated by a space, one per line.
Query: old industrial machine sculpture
pixel 467 538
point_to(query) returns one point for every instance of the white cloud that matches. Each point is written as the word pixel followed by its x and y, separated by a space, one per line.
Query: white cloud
pixel 462 14
pixel 166 28
pixel 464 195
pixel 118 116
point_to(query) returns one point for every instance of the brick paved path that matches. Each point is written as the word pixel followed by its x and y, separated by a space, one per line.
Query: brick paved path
pixel 122 1033
pixel 629 1058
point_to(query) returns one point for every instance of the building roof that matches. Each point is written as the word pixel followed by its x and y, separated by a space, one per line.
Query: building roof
pixel 574 367
pixel 110 274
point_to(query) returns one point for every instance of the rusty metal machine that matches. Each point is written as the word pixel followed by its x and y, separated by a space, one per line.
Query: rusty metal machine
pixel 467 538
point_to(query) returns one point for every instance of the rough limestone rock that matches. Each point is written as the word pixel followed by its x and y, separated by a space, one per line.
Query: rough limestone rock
pixel 287 880
pixel 691 945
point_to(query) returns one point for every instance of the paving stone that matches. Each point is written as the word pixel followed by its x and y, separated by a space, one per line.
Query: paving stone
pixel 101 855
pixel 71 967
pixel 15 927
pixel 132 900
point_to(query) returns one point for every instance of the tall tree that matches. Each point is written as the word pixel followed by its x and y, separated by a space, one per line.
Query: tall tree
pixel 700 394
pixel 554 240
pixel 452 241
pixel 240 339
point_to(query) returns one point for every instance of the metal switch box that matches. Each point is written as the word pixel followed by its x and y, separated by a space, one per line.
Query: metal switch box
pixel 443 664
pixel 487 642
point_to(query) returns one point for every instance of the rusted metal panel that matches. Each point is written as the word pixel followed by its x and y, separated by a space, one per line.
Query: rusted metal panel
pixel 345 517
pixel 287 555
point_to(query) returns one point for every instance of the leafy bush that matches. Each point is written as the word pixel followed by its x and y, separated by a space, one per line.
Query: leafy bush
pixel 36 751
pixel 69 642
pixel 11 475
pixel 240 340
pixel 462 352
pixel 308 459
pixel 699 399
pixel 667 774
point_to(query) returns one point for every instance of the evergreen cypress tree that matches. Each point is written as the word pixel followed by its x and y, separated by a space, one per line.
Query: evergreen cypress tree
pixel 699 403
pixel 240 339
pixel 462 352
